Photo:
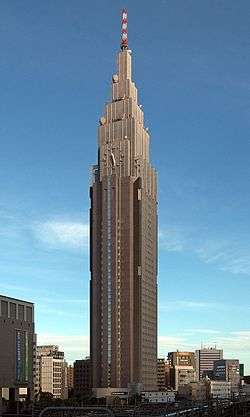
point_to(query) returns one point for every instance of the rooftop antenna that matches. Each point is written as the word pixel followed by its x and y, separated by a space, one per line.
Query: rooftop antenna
pixel 124 30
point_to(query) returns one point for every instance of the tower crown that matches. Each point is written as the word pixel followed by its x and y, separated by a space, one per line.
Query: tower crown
pixel 124 30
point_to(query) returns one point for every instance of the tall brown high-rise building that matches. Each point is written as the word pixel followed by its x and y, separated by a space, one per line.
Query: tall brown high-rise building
pixel 123 241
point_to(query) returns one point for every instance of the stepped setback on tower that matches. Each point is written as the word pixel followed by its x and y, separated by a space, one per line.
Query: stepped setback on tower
pixel 123 252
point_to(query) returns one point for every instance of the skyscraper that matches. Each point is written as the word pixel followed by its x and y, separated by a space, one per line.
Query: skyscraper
pixel 123 240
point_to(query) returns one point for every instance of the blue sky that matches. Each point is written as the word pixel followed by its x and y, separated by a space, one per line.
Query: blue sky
pixel 191 64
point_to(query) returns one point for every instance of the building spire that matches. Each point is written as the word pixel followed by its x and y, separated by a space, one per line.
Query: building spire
pixel 124 30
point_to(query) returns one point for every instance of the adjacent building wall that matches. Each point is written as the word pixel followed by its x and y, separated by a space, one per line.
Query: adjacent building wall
pixel 17 344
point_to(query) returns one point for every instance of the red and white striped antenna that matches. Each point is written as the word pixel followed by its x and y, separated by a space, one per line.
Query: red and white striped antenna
pixel 124 33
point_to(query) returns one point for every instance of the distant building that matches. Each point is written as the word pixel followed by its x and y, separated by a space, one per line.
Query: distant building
pixel 245 390
pixel 219 389
pixel 245 386
pixel 204 359
pixel 51 372
pixel 228 370
pixel 194 391
pixel 242 370
pixel 246 379
pixel 167 373
pixel 17 340
pixel 182 368
pixel 158 396
pixel 161 371
pixel 70 377
pixel 181 358
pixel 82 376
pixel 181 375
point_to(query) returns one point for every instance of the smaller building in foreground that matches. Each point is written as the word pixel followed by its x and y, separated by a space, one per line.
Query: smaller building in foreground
pixel 194 391
pixel 181 375
pixel 70 377
pixel 82 377
pixel 245 390
pixel 51 372
pixel 17 341
pixel 228 370
pixel 181 368
pixel 219 389
pixel 161 374
pixel 158 396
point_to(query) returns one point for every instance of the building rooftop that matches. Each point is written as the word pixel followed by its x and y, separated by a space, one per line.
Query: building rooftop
pixel 7 298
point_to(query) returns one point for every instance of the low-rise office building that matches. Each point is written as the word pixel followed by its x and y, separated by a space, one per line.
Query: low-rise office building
pixel 82 376
pixel 219 389
pixel 161 374
pixel 17 336
pixel 181 375
pixel 158 396
pixel 228 370
pixel 51 372
pixel 181 368
pixel 194 391
pixel 180 358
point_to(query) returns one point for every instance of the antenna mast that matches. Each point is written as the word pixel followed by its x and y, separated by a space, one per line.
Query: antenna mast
pixel 124 31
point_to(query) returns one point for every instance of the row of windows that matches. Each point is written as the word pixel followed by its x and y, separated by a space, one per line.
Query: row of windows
pixel 16 311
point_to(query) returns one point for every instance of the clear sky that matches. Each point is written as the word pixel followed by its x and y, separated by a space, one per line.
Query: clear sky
pixel 191 64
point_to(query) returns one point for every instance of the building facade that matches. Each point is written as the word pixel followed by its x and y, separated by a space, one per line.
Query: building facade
pixel 181 375
pixel 51 374
pixel 242 370
pixel 70 377
pixel 194 391
pixel 157 397
pixel 82 377
pixel 181 358
pixel 17 339
pixel 228 370
pixel 167 373
pixel 123 219
pixel 181 368
pixel 219 389
pixel 161 374
pixel 205 359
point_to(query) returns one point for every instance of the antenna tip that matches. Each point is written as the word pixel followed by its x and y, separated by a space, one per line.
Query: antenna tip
pixel 124 31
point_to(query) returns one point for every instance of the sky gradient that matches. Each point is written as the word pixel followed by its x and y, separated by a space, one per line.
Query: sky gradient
pixel 191 64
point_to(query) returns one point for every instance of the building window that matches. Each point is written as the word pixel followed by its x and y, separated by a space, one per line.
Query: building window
pixel 4 308
pixel 13 310
pixel 29 314
pixel 20 312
